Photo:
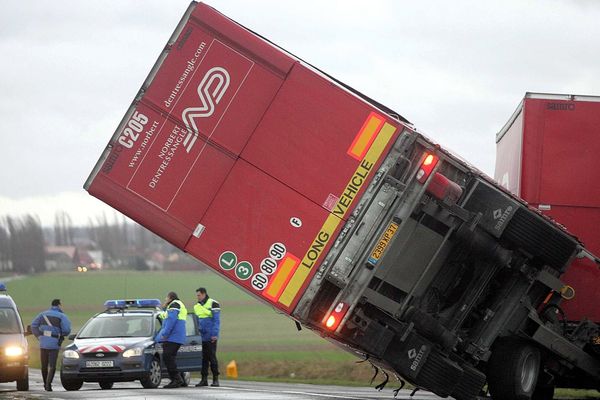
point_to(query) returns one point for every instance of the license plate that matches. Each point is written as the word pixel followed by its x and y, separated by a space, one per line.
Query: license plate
pixel 385 239
pixel 99 364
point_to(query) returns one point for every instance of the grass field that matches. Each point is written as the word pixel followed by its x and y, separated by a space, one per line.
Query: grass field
pixel 264 344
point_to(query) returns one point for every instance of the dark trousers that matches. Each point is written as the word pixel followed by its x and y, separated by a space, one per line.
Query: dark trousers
pixel 170 356
pixel 209 355
pixel 48 358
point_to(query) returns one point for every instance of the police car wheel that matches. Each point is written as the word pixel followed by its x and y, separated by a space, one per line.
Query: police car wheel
pixel 71 384
pixel 105 385
pixel 154 375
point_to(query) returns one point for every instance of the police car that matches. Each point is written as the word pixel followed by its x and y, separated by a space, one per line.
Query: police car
pixel 118 345
pixel 14 360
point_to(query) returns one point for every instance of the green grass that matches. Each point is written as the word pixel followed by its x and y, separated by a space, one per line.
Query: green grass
pixel 576 394
pixel 264 343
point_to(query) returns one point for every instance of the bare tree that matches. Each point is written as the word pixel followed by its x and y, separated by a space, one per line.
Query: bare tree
pixel 26 242
pixel 4 246
pixel 63 229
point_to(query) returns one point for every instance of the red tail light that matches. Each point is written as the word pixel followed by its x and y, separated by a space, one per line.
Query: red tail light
pixel 443 188
pixel 429 163
pixel 333 320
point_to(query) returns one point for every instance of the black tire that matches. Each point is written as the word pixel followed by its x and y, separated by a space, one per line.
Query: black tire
pixel 186 377
pixel 106 385
pixel 513 370
pixel 154 375
pixel 71 384
pixel 23 383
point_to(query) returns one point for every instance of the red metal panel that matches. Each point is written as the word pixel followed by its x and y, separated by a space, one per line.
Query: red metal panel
pixel 252 213
pixel 570 167
pixel 203 103
pixel 313 153
pixel 303 139
pixel 562 143
pixel 143 212
pixel 156 167
pixel 206 85
pixel 583 275
pixel 238 37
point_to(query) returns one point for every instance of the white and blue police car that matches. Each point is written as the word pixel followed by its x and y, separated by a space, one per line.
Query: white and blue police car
pixel 14 359
pixel 117 345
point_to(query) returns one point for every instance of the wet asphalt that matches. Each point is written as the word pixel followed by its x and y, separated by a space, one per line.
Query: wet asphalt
pixel 229 390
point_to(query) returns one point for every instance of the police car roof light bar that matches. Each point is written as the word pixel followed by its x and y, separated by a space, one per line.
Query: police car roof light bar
pixel 139 303
pixel 2 287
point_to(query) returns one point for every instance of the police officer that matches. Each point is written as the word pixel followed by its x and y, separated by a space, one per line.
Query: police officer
pixel 208 312
pixel 172 336
pixel 50 327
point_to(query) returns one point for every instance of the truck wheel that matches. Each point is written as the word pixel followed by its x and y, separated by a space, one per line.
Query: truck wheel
pixel 71 384
pixel 154 375
pixel 513 370
pixel 105 385
pixel 23 383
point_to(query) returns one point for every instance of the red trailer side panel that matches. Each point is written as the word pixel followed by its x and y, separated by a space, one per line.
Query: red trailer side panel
pixel 242 156
pixel 307 137
pixel 258 220
pixel 184 132
pixel 571 145
pixel 560 168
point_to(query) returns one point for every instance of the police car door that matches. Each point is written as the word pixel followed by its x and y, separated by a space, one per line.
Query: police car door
pixel 189 357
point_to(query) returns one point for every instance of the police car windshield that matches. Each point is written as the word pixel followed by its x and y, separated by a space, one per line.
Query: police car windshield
pixel 117 325
pixel 8 321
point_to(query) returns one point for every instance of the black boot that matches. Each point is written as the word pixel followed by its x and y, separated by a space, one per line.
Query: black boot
pixel 215 382
pixel 175 383
pixel 49 379
pixel 203 381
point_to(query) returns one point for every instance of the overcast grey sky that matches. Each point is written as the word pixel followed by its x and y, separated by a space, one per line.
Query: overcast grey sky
pixel 457 70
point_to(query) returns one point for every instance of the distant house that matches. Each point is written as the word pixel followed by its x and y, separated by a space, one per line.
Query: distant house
pixel 61 258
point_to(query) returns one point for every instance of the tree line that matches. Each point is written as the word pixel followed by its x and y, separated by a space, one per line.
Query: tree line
pixel 23 241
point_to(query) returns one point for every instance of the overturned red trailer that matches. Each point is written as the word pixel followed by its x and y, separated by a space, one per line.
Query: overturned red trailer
pixel 333 209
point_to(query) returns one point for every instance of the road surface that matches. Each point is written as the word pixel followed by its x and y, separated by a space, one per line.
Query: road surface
pixel 229 390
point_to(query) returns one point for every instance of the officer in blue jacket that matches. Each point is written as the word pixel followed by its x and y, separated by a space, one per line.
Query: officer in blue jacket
pixel 208 312
pixel 172 336
pixel 50 327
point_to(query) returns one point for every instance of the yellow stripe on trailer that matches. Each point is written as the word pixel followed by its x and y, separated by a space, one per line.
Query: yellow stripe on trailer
pixel 287 267
pixel 365 136
pixel 333 220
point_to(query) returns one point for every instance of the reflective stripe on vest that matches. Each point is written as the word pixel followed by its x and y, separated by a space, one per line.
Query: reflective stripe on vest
pixel 204 311
pixel 182 309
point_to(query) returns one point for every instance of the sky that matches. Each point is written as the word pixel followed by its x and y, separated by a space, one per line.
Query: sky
pixel 457 70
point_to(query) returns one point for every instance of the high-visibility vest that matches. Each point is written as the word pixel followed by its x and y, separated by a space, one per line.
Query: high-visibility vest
pixel 204 311
pixel 182 310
